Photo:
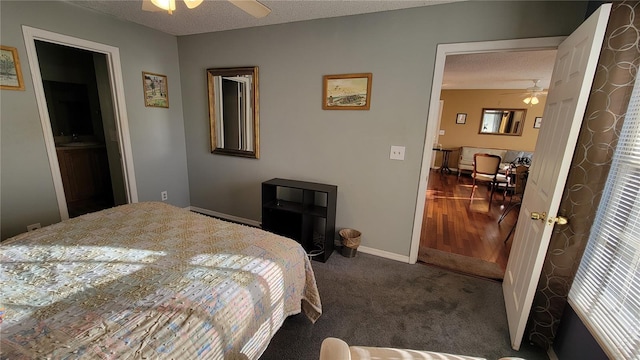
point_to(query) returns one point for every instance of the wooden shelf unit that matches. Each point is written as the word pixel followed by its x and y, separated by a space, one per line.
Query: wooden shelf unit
pixel 300 209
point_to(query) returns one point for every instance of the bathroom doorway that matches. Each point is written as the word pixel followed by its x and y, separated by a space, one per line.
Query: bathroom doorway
pixel 78 97
pixel 106 176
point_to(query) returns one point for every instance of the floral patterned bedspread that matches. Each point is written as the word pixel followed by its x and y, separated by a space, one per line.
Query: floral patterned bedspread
pixel 149 281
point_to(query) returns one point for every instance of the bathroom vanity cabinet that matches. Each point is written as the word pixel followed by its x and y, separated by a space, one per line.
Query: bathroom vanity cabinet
pixel 85 174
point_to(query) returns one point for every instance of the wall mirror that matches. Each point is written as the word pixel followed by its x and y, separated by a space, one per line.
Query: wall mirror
pixel 233 111
pixel 502 121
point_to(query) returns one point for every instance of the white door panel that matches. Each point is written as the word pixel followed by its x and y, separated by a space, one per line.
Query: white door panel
pixel 564 110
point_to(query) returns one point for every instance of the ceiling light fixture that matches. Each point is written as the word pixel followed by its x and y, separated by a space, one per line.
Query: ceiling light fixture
pixel 192 4
pixel 167 5
pixel 533 100
pixel 535 91
pixel 252 7
pixel 170 5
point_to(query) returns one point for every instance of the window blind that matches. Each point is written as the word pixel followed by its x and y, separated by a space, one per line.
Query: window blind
pixel 606 290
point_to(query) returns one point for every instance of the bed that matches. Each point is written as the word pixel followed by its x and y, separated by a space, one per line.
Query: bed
pixel 149 281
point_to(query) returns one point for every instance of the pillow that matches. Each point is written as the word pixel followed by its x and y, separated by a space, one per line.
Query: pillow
pixel 512 155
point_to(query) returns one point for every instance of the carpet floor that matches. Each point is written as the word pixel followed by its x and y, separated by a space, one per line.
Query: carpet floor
pixel 372 301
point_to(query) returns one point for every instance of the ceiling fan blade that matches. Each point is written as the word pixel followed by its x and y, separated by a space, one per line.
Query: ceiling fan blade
pixel 252 7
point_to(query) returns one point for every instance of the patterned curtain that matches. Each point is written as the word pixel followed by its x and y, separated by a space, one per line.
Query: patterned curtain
pixel 615 76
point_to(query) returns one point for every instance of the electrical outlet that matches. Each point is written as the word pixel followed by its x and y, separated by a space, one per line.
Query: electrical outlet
pixel 33 227
pixel 397 153
pixel 164 196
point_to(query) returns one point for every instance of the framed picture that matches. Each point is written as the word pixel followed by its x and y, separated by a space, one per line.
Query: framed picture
pixel 10 72
pixel 156 93
pixel 537 123
pixel 347 92
pixel 461 118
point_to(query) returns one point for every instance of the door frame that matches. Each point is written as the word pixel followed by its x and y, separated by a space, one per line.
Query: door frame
pixel 117 93
pixel 443 50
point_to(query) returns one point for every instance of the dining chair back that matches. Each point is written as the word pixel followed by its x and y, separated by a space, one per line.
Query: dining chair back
pixel 485 169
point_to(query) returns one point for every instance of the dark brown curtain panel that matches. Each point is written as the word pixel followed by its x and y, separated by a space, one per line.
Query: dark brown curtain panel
pixel 610 93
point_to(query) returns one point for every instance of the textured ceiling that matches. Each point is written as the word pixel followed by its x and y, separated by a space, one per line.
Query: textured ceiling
pixel 220 15
pixel 499 70
pixel 505 70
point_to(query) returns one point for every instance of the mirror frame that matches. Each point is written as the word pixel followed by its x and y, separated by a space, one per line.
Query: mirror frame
pixel 213 121
pixel 521 128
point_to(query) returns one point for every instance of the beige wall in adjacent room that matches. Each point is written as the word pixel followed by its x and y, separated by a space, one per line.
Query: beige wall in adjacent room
pixel 471 102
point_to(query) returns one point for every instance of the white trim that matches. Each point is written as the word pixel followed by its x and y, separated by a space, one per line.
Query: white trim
pixel 117 93
pixel 383 254
pixel 432 119
pixel 225 216
pixel 364 249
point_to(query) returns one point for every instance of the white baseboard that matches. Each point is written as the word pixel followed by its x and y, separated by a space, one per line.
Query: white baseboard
pixel 364 249
pixel 225 216
pixel 384 254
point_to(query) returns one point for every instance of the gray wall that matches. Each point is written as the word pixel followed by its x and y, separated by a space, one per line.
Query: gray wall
pixel 350 149
pixel 157 135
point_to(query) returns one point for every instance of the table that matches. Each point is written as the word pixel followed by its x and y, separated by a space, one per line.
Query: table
pixel 445 159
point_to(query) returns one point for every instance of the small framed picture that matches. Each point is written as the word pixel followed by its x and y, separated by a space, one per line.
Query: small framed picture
pixel 346 92
pixel 156 90
pixel 10 72
pixel 537 123
pixel 461 118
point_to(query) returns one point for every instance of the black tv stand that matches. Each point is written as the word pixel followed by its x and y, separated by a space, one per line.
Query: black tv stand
pixel 303 211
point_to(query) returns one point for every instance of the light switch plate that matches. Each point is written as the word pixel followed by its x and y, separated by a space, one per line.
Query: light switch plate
pixel 397 153
pixel 441 132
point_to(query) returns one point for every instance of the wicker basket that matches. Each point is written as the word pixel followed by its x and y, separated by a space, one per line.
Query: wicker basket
pixel 350 238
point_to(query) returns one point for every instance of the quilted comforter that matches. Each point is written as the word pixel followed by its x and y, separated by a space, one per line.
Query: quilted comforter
pixel 149 281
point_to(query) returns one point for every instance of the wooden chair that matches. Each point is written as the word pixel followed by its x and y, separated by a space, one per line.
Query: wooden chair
pixel 485 168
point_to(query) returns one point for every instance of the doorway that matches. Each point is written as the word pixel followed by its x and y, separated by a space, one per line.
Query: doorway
pixel 571 81
pixel 472 236
pixel 76 89
pixel 432 124
pixel 80 96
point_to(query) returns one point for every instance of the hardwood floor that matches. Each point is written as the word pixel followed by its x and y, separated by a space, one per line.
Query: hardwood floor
pixel 453 223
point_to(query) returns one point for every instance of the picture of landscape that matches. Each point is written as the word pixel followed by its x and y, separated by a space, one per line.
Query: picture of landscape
pixel 155 90
pixel 10 74
pixel 347 92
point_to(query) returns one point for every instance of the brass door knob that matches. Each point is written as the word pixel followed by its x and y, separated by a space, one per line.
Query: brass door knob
pixel 560 220
pixel 539 216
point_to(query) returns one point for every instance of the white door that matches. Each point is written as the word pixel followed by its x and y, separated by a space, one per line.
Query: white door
pixel 566 103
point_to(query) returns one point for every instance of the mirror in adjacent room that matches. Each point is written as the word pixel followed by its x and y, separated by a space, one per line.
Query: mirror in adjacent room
pixel 502 121
pixel 233 111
